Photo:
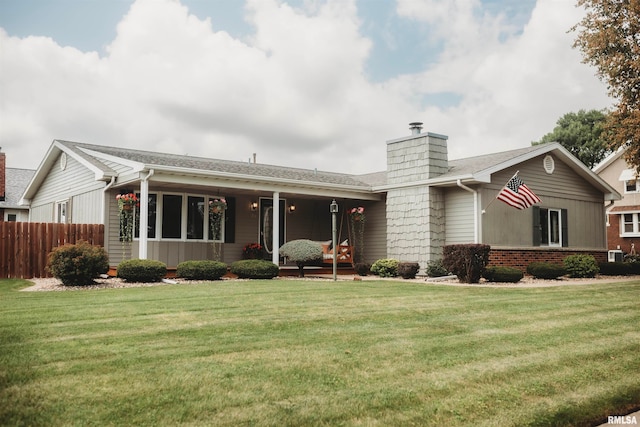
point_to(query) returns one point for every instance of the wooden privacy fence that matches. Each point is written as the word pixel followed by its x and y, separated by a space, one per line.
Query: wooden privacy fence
pixel 25 246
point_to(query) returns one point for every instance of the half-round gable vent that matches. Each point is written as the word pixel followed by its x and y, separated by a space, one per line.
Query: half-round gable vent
pixel 549 164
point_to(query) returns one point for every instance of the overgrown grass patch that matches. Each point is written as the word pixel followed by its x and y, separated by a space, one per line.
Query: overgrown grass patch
pixel 283 352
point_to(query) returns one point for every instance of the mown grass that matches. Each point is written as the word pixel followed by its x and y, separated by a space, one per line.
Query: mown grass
pixel 286 352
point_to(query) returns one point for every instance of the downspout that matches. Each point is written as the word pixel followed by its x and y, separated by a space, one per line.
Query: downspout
pixel 144 215
pixel 606 211
pixel 476 227
pixel 104 192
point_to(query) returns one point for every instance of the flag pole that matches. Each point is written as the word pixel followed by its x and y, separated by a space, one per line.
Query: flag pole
pixel 495 198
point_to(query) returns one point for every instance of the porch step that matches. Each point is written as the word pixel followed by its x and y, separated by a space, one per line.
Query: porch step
pixel 285 271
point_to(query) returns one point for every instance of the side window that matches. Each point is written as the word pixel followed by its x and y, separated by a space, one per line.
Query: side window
pixel 61 210
pixel 630 224
pixel 550 227
pixel 631 186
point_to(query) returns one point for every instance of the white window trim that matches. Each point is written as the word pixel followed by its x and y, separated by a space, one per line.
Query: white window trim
pixel 636 225
pixel 183 225
pixel 56 211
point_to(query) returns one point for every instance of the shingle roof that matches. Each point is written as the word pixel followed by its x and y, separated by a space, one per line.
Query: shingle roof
pixel 16 182
pixel 225 166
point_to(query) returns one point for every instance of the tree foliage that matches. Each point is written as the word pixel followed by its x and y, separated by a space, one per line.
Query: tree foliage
pixel 581 134
pixel 609 38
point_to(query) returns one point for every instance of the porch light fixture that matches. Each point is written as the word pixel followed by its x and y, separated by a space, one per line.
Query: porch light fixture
pixel 292 208
pixel 254 206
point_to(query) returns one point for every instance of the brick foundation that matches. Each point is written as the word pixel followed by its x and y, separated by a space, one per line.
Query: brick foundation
pixel 521 258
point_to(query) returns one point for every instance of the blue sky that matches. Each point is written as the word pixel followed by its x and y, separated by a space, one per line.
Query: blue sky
pixel 303 79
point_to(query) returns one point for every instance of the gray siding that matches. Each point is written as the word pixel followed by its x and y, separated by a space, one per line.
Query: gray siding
pixel 76 184
pixel 504 226
pixel 459 217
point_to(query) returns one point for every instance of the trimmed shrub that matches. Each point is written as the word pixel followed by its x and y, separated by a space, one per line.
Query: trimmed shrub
pixel 201 270
pixel 142 270
pixel 546 270
pixel 255 269
pixel 466 261
pixel 386 267
pixel 79 264
pixel 436 269
pixel 581 265
pixel 362 268
pixel 502 274
pixel 302 252
pixel 615 268
pixel 408 270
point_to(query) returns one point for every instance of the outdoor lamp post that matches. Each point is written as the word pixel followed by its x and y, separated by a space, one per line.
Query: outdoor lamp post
pixel 333 208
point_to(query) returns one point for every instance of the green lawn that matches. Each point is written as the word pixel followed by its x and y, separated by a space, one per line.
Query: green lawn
pixel 287 352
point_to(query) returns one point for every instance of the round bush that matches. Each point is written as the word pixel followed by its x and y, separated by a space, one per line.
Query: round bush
pixel 79 264
pixel 255 269
pixel 502 274
pixel 581 266
pixel 386 267
pixel 362 268
pixel 302 252
pixel 436 269
pixel 546 270
pixel 142 270
pixel 201 270
pixel 408 270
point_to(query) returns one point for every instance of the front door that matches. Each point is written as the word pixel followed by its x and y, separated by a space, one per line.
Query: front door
pixel 266 223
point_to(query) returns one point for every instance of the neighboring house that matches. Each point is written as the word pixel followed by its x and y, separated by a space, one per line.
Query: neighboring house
pixel 623 216
pixel 12 185
pixel 420 203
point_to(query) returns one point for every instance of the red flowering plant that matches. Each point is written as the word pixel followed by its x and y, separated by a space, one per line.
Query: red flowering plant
pixel 253 251
pixel 357 214
pixel 126 203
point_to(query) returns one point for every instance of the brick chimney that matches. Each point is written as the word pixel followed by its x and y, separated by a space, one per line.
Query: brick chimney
pixel 3 176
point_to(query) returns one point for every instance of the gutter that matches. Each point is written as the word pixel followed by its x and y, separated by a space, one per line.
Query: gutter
pixel 104 193
pixel 475 209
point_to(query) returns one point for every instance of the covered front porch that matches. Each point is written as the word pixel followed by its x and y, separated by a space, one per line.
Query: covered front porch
pixel 179 228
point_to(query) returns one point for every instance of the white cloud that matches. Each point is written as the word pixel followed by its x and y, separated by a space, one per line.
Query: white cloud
pixel 294 92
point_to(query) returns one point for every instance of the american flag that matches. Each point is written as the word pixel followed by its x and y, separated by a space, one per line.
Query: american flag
pixel 518 195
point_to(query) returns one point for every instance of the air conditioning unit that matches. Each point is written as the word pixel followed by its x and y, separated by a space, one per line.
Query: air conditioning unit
pixel 615 256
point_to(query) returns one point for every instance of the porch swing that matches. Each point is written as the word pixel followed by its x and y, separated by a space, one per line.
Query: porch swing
pixel 344 252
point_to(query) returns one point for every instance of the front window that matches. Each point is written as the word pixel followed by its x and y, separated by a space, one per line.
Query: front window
pixel 629 226
pixel 151 217
pixel 171 216
pixel 181 216
pixel 195 217
pixel 551 227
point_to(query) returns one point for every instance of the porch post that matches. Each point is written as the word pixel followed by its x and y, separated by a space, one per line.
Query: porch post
pixel 275 257
pixel 143 219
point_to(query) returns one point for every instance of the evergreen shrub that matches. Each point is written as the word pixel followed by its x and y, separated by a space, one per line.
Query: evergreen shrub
pixel 201 270
pixel 78 264
pixel 408 270
pixel 142 270
pixel 502 274
pixel 255 269
pixel 615 268
pixel 362 268
pixel 385 267
pixel 581 265
pixel 546 270
pixel 466 261
pixel 436 269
